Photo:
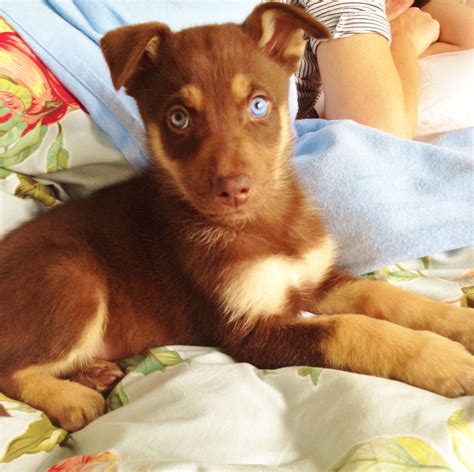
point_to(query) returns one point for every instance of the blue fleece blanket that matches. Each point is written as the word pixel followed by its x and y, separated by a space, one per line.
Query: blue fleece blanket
pixel 384 199
pixel 387 199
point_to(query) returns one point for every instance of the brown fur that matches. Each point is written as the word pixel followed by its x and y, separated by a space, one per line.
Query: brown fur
pixel 150 261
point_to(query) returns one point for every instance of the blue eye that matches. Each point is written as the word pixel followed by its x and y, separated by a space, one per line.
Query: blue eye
pixel 259 107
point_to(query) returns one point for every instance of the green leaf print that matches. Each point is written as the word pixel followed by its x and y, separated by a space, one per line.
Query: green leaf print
pixel 462 439
pixel 24 147
pixel 12 135
pixel 426 262
pixel 371 275
pixel 4 173
pixel 402 276
pixel 20 92
pixel 39 436
pixel 10 123
pixel 10 404
pixel 131 363
pixel 58 156
pixel 157 359
pixel 312 372
pixel 117 398
pixel 399 453
pixel 30 188
pixel 149 365
pixel 166 357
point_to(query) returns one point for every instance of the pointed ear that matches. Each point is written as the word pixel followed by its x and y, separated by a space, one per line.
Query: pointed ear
pixel 279 30
pixel 130 49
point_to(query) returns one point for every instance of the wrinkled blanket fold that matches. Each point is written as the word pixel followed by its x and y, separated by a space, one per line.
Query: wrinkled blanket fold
pixel 385 198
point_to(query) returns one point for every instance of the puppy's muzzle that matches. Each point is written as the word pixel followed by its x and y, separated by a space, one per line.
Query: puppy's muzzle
pixel 232 191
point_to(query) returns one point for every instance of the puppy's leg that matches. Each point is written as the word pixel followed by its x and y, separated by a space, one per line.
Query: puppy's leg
pixel 100 375
pixel 52 321
pixel 358 344
pixel 66 403
pixel 381 300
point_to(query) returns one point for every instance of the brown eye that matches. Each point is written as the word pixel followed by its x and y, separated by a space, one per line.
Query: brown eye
pixel 178 118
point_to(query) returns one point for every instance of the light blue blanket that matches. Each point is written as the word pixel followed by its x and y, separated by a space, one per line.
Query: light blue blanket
pixel 385 199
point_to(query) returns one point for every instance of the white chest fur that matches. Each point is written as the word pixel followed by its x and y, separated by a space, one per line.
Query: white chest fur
pixel 261 288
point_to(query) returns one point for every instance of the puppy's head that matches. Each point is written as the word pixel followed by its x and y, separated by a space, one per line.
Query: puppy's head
pixel 214 103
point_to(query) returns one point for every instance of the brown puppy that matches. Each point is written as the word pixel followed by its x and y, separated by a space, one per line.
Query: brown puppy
pixel 214 245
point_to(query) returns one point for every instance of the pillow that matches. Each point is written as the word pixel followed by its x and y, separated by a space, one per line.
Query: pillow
pixel 446 94
pixel 50 149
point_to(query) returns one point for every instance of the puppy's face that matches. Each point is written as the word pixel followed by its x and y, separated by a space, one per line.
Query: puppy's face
pixel 214 103
pixel 216 115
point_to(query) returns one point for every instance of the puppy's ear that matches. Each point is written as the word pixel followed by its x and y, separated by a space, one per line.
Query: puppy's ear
pixel 131 49
pixel 279 30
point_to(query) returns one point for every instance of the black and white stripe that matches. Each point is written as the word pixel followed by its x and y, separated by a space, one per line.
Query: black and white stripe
pixel 343 18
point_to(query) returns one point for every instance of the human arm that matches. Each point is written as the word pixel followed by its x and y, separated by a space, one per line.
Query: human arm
pixel 366 80
pixel 457 26
pixel 361 82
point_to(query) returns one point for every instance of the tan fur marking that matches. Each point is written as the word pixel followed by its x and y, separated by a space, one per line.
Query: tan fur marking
pixel 284 145
pixel 152 48
pixel 420 358
pixel 85 349
pixel 285 131
pixel 261 289
pixel 193 96
pixel 154 138
pixel 285 142
pixel 381 300
pixel 69 403
pixel 159 151
pixel 240 87
pixel 296 45
pixel 356 345
pixel 268 27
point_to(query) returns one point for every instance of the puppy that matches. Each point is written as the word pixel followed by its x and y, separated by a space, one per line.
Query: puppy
pixel 215 244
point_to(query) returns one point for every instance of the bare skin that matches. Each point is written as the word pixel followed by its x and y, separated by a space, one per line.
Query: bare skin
pixel 384 76
pixel 387 76
pixel 457 26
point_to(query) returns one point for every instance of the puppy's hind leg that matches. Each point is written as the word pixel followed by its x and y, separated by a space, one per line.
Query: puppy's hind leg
pixel 68 404
pixel 52 324
pixel 100 375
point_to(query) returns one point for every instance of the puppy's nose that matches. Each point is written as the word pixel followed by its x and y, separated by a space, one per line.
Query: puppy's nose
pixel 232 191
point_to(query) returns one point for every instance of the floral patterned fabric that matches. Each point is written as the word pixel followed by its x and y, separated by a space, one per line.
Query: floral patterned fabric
pixel 31 99
pixel 44 132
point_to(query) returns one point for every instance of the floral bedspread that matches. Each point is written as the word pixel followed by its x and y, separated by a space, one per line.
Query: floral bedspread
pixel 189 408
pixel 50 149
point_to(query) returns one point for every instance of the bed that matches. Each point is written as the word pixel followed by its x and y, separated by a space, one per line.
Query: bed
pixel 193 408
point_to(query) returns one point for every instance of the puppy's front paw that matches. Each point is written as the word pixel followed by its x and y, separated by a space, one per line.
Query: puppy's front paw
pixel 441 366
pixel 460 326
pixel 73 406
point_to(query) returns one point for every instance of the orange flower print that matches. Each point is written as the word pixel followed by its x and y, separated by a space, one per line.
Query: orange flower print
pixel 82 463
pixel 30 98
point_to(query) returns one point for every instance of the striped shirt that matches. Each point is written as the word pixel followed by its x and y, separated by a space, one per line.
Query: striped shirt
pixel 343 18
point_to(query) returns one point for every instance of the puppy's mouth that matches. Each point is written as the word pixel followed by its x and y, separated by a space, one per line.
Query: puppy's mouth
pixel 230 217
